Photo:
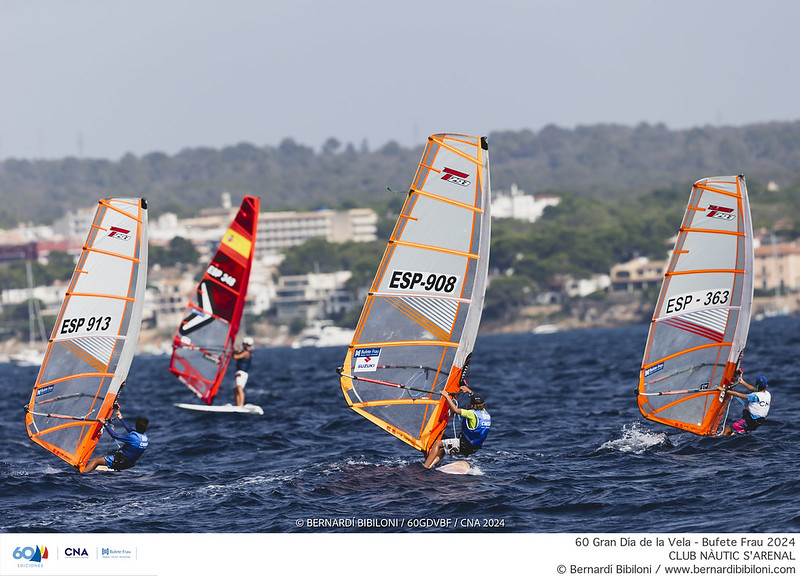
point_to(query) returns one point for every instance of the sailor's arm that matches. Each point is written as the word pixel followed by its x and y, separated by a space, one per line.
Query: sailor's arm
pixel 453 406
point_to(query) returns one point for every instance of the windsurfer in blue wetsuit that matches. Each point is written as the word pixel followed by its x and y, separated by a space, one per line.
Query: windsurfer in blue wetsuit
pixel 754 414
pixel 242 358
pixel 475 424
pixel 134 444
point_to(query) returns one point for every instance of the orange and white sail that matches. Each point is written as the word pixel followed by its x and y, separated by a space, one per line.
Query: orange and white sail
pixel 203 342
pixel 700 324
pixel 421 316
pixel 95 335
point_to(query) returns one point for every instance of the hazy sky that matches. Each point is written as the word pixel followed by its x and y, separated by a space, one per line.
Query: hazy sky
pixel 100 78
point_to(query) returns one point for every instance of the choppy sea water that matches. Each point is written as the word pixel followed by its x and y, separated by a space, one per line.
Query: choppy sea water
pixel 568 452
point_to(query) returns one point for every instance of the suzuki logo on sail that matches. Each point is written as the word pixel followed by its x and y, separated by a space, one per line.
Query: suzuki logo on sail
pixel 366 359
pixel 456 177
pixel 720 212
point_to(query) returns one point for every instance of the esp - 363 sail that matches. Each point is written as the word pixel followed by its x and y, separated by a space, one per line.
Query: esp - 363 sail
pixel 700 324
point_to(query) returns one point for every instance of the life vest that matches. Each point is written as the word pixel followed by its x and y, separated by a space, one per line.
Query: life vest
pixel 760 409
pixel 477 435
pixel 135 446
pixel 243 364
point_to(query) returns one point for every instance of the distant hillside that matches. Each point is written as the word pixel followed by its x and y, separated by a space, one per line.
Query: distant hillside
pixel 601 161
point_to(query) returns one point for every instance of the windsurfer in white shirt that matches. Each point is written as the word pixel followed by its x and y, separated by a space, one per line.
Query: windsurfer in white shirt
pixel 758 400
pixel 242 358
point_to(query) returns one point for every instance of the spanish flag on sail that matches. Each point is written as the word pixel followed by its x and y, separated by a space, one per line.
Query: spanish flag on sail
pixel 237 243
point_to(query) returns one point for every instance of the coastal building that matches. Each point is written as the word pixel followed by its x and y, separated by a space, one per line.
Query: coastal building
pixel 777 266
pixel 312 296
pixel 280 230
pixel 582 287
pixel 521 206
pixel 637 274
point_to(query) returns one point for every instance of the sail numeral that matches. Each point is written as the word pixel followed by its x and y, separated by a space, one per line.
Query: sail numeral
pixel 98 324
pixel 717 297
pixel 405 280
pixel 223 277
pixel 679 303
pixel 686 302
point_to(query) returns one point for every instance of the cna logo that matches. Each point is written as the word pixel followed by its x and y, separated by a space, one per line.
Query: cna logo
pixel 76 553
pixel 30 553
pixel 456 177
pixel 720 212
pixel 119 233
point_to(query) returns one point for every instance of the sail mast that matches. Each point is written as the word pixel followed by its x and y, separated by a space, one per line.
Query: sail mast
pixel 203 341
pixel 95 335
pixel 421 316
pixel 700 323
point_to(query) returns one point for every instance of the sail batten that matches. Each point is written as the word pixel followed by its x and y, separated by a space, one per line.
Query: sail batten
pixel 421 316
pixel 95 335
pixel 203 342
pixel 700 323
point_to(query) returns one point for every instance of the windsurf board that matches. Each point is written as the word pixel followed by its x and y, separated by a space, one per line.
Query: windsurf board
pixel 457 467
pixel 225 408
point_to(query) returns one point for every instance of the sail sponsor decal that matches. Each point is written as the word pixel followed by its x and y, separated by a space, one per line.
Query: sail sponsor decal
pixel 119 233
pixel 456 177
pixel 721 212
pixel 366 359
pixel 653 369
pixel 45 390
pixel 428 282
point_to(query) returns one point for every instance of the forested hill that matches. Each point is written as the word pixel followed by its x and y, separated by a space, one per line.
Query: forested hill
pixel 602 161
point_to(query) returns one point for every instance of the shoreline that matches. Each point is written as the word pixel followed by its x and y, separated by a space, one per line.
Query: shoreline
pixel 613 311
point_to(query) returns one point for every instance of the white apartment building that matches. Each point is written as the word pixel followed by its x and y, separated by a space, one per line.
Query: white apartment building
pixel 520 206
pixel 280 230
pixel 312 296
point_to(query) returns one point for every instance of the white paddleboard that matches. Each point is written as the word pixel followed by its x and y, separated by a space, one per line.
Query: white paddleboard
pixel 457 467
pixel 226 408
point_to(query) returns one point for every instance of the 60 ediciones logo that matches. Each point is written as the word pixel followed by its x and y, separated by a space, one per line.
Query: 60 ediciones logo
pixel 30 553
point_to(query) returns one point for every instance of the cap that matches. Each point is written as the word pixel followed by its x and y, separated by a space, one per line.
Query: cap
pixel 248 341
pixel 475 399
pixel 761 382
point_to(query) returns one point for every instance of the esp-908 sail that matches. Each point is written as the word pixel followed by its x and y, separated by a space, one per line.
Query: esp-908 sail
pixel 700 324
pixel 203 342
pixel 421 316
pixel 95 335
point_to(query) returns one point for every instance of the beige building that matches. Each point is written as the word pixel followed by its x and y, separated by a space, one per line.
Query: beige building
pixel 637 274
pixel 777 265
